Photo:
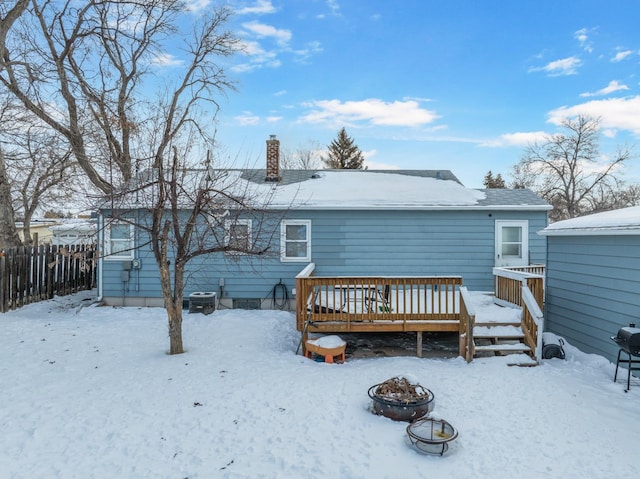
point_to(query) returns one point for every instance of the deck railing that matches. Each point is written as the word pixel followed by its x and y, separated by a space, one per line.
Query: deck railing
pixel 532 322
pixel 524 286
pixel 377 303
pixel 467 322
pixel 509 281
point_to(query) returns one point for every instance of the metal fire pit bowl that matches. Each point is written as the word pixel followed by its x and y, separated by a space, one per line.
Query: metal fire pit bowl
pixel 402 410
pixel 431 436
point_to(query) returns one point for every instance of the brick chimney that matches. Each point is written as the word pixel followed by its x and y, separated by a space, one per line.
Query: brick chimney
pixel 273 159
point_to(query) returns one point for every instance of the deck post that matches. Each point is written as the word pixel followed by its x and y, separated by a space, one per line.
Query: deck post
pixel 419 344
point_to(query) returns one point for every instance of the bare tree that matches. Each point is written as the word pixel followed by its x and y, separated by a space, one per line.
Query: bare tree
pixel 192 212
pixel 567 169
pixel 81 68
pixel 605 198
pixel 41 172
pixel 8 233
pixel 85 68
pixel 8 17
pixel 307 157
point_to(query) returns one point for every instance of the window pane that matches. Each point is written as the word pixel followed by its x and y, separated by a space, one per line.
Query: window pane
pixel 296 250
pixel 296 232
pixel 119 247
pixel 512 234
pixel 512 249
pixel 239 236
pixel 120 232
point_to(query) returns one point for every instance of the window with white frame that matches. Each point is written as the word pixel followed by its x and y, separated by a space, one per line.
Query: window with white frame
pixel 119 241
pixel 238 235
pixel 295 240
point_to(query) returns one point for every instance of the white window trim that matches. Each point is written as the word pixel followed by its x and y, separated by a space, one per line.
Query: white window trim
pixel 283 241
pixel 126 255
pixel 227 233
pixel 524 225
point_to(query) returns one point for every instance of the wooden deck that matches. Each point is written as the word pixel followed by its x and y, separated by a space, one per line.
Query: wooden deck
pixel 356 304
pixel 378 304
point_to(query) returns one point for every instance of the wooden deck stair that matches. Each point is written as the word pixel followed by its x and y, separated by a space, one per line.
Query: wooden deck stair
pixel 496 338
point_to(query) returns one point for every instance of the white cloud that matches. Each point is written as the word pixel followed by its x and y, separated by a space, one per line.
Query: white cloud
pixel 564 66
pixel 334 7
pixel 621 55
pixel 262 30
pixel 582 36
pixel 247 119
pixel 515 139
pixel 273 119
pixel 612 87
pixel 197 5
pixel 372 110
pixel 280 93
pixel 310 48
pixel 259 58
pixel 166 60
pixel 376 165
pixel 259 8
pixel 614 113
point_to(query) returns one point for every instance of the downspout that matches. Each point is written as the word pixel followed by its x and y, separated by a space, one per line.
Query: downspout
pixel 100 250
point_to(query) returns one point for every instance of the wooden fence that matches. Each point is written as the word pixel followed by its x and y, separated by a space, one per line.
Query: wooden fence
pixel 29 274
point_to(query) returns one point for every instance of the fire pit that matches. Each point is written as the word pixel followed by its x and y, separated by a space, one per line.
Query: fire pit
pixel 431 436
pixel 400 400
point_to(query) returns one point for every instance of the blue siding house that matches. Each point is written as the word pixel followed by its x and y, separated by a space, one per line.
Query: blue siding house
pixel 348 223
pixel 593 278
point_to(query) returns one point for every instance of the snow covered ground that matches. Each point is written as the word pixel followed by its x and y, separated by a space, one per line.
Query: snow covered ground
pixel 89 392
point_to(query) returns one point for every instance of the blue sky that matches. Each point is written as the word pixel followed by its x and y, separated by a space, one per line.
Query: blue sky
pixel 459 85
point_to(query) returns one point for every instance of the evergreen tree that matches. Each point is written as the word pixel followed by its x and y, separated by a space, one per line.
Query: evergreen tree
pixel 343 153
pixel 491 181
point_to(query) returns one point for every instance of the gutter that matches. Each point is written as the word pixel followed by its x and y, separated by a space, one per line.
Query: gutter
pixel 619 231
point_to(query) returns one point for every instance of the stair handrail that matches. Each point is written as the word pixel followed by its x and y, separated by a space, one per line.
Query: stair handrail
pixel 532 321
pixel 467 322
pixel 507 285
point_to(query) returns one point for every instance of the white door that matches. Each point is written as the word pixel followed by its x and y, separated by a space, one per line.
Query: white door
pixel 512 242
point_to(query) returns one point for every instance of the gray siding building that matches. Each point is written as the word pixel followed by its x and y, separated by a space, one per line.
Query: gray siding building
pixel 593 278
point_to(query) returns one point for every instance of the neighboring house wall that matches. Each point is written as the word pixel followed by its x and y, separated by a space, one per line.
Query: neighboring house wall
pixel 40 228
pixel 592 289
pixel 343 243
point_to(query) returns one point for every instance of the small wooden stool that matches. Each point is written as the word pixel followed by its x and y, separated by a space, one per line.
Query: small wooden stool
pixel 329 346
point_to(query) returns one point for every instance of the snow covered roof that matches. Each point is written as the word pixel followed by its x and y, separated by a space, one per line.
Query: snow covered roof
pixel 386 189
pixel 353 190
pixel 625 221
pixel 81 227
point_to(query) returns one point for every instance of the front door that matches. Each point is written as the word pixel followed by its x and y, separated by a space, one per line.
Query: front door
pixel 512 243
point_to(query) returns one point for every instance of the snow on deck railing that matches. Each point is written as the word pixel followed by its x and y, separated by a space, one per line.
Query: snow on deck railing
pixel 532 321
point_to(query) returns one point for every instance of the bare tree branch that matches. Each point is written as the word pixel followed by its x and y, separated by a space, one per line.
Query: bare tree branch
pixel 567 169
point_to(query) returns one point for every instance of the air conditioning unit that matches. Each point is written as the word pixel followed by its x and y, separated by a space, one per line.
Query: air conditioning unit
pixel 202 302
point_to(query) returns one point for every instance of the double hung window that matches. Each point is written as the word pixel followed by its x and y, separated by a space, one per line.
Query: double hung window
pixel 295 240
pixel 238 236
pixel 119 241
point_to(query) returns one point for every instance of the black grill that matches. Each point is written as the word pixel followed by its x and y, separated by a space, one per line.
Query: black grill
pixel 628 340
